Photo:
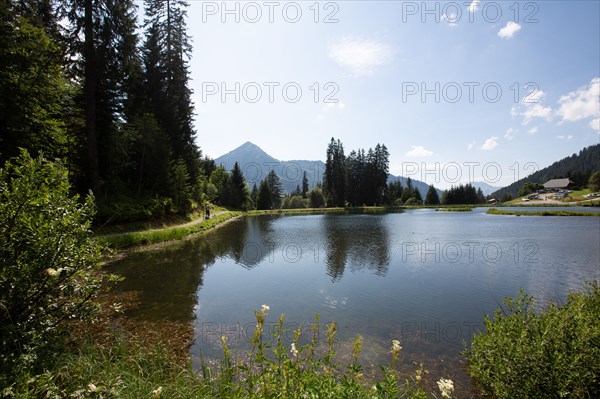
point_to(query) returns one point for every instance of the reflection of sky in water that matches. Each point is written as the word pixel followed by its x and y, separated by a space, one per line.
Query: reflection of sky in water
pixel 424 277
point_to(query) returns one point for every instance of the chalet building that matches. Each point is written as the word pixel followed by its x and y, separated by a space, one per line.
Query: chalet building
pixel 558 184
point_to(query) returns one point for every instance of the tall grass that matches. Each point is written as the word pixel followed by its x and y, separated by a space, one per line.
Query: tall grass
pixel 121 368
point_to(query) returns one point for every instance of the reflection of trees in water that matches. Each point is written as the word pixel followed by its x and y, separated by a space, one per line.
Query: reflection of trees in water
pixel 255 243
pixel 167 279
pixel 357 241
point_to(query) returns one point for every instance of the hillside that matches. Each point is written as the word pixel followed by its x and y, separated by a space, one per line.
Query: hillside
pixel 578 167
pixel 256 164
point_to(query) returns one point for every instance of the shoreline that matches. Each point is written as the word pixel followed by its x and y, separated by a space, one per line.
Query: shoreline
pixel 150 238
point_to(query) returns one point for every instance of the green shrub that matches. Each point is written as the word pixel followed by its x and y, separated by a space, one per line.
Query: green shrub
pixel 127 209
pixel 552 354
pixel 47 259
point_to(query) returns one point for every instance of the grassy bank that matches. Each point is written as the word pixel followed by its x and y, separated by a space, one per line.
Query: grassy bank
pixel 455 209
pixel 495 211
pixel 127 240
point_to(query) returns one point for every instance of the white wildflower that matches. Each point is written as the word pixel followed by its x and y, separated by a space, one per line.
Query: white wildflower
pixel 52 272
pixel 446 387
pixel 294 351
pixel 265 308
pixel 396 345
pixel 92 388
pixel 157 392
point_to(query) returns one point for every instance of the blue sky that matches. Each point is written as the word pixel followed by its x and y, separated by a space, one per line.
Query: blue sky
pixel 457 91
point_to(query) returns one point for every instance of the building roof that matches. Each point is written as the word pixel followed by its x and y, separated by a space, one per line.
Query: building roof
pixel 558 183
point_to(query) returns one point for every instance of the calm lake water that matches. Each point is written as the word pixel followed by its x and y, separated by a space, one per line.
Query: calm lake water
pixel 424 277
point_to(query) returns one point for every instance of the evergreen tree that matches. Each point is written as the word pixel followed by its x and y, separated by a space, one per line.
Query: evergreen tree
pixel 334 177
pixel 408 191
pixel 222 182
pixel 417 196
pixel 274 184
pixel 395 193
pixel 33 87
pixel 304 185
pixel 166 58
pixel 254 196
pixel 432 197
pixel 264 200
pixel 239 189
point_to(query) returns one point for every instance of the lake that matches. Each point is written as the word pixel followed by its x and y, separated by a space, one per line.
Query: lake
pixel 424 277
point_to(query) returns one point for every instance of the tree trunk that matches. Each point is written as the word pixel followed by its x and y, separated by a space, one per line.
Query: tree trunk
pixel 90 98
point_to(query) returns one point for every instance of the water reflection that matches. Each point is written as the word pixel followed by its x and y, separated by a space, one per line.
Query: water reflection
pixel 359 248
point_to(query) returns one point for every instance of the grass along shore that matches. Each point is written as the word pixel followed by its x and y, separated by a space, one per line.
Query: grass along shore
pixel 494 211
pixel 139 238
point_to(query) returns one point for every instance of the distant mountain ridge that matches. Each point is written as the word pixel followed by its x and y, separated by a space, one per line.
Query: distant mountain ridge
pixel 256 164
pixel 577 167
pixel 486 188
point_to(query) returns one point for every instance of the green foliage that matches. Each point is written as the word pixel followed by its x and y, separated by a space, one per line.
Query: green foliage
pixel 47 258
pixel 463 195
pixel 316 198
pixel 294 202
pixel 33 87
pixel 395 193
pixel 529 188
pixel 432 197
pixel 128 209
pixel 181 190
pixel 123 368
pixel 594 182
pixel 126 240
pixel 578 167
pixel 552 354
pixel 264 196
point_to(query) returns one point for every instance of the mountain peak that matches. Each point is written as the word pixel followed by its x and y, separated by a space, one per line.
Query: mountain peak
pixel 246 153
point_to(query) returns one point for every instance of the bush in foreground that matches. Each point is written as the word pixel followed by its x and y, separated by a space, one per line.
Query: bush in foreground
pixel 553 354
pixel 47 259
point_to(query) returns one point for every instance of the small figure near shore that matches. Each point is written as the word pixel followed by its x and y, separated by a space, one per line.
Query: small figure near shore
pixel 207 209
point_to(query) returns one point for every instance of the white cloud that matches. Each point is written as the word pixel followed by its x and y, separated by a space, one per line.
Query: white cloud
pixel 510 133
pixel 582 103
pixel 533 130
pixel 418 151
pixel 360 56
pixel 490 144
pixel 473 6
pixel 536 111
pixel 595 124
pixel 509 30
pixel 569 137
pixel 532 108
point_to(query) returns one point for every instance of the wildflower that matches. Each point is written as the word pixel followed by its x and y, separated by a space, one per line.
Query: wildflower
pixel 157 392
pixel 52 272
pixel 265 309
pixel 395 349
pixel 446 388
pixel 92 388
pixel 294 351
pixel 223 340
